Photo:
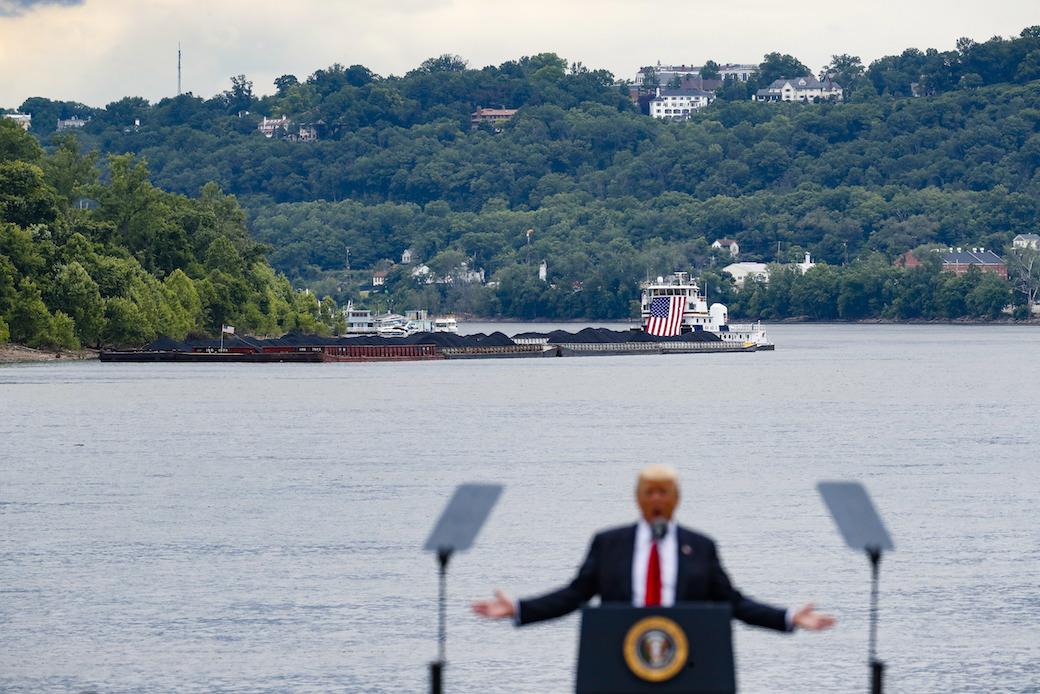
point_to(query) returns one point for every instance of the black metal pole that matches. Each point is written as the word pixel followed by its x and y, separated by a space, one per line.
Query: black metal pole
pixel 437 668
pixel 877 668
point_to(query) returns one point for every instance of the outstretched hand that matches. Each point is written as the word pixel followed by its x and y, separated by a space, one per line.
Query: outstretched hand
pixel 499 608
pixel 807 617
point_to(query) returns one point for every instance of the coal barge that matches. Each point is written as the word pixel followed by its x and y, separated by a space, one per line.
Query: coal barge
pixel 296 347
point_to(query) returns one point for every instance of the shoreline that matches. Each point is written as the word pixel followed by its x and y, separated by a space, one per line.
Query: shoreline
pixel 16 354
pixel 11 353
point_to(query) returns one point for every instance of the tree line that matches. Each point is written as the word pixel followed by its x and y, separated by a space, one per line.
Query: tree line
pixel 610 196
pixel 132 263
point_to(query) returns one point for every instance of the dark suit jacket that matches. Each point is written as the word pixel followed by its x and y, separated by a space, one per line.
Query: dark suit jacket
pixel 607 572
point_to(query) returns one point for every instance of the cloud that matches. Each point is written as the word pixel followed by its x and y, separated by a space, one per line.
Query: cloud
pixel 15 8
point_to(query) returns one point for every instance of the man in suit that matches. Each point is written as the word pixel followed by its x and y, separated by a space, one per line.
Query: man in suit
pixel 654 562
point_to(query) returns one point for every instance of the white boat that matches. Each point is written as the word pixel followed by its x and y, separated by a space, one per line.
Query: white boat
pixel 362 322
pixel 682 294
pixel 445 324
pixel 359 320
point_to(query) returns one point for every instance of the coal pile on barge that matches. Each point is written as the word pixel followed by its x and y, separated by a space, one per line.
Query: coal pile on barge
pixel 297 347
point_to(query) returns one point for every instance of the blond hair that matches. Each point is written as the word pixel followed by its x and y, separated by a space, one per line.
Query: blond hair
pixel 658 473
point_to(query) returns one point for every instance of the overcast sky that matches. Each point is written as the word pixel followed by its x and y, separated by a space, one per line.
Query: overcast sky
pixel 98 51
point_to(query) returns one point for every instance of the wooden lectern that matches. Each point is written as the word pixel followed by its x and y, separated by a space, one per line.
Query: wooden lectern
pixel 634 650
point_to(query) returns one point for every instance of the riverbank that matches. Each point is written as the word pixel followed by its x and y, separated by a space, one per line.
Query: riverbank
pixel 10 353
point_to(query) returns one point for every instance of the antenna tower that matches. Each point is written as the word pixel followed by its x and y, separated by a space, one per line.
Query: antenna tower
pixel 178 68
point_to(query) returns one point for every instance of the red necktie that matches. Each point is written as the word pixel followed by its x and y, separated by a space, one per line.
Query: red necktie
pixel 653 578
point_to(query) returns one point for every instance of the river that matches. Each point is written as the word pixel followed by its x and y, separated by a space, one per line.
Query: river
pixel 258 527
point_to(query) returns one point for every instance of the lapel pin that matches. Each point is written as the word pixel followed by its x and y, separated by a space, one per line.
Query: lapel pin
pixel 686 549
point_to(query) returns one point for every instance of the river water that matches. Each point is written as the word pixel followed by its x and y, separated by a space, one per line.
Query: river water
pixel 257 528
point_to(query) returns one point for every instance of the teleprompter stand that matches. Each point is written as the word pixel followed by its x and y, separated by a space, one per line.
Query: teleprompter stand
pixel 862 529
pixel 455 531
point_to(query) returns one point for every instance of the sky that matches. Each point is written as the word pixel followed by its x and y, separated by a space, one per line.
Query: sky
pixel 99 51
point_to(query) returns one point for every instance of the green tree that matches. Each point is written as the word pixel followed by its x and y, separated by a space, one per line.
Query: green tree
pixel 67 170
pixel 76 294
pixel 1023 265
pixel 776 66
pixel 184 304
pixel 650 80
pixel 990 295
pixel 845 69
pixel 25 199
pixel 710 70
pixel 18 145
pixel 240 97
pixel 28 317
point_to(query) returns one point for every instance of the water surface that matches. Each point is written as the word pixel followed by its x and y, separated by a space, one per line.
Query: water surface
pixel 257 528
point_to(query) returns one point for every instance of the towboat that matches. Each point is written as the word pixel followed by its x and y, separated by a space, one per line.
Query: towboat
pixel 674 305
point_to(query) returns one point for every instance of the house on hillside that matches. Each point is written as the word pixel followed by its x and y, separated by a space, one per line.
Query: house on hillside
pixel 667 73
pixel 742 272
pixel 679 104
pixel 1026 241
pixel 494 116
pixel 268 125
pixel 728 244
pixel 74 122
pixel 22 119
pixel 800 89
pixel 806 265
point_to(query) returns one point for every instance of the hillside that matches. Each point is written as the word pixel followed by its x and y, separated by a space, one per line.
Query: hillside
pixel 609 195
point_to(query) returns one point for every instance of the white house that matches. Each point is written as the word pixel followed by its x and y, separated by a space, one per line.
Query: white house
pixel 666 73
pixel 1027 241
pixel 737 71
pixel 741 272
pixel 74 122
pixel 804 267
pixel 729 244
pixel 269 125
pixel 22 119
pixel 678 104
pixel 800 89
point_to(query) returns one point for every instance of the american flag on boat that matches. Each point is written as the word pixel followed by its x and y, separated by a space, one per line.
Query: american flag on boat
pixel 665 315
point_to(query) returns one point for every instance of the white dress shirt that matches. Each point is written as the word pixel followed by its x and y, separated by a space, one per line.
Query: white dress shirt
pixel 668 556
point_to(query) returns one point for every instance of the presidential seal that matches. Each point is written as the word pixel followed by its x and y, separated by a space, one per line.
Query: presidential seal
pixel 656 649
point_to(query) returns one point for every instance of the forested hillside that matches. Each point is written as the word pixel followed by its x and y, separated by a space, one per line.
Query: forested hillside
pixel 141 262
pixel 610 195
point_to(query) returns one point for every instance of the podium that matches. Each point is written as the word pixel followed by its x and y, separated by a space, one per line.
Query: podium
pixel 634 650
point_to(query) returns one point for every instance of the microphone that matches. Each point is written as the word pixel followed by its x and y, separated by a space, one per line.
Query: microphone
pixel 659 527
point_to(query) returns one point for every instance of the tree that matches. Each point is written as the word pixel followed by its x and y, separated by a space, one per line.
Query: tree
pixel 28 317
pixel 844 69
pixel 240 97
pixel 650 80
pixel 1023 266
pixel 68 171
pixel 776 67
pixel 77 295
pixel 129 201
pixel 710 70
pixel 283 83
pixel 16 144
pixel 24 197
pixel 446 62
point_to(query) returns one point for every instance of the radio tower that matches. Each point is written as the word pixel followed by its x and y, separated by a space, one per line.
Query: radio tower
pixel 178 68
